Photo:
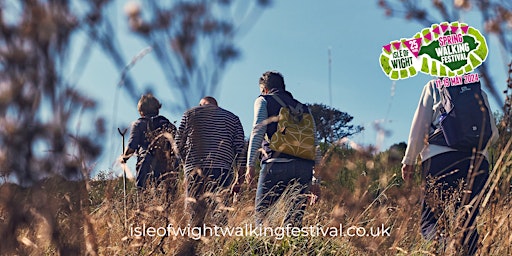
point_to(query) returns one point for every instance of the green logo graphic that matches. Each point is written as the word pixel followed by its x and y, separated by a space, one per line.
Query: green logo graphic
pixel 443 50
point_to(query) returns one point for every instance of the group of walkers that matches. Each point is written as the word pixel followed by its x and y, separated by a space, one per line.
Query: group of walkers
pixel 209 144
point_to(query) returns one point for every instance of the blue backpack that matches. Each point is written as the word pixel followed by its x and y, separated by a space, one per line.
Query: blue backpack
pixel 464 122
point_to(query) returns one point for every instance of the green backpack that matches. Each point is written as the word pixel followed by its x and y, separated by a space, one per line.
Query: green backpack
pixel 295 133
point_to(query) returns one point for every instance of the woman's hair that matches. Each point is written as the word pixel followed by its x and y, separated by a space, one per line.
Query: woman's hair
pixel 272 80
pixel 148 105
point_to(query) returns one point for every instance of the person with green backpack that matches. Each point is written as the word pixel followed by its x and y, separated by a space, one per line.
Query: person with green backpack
pixel 284 131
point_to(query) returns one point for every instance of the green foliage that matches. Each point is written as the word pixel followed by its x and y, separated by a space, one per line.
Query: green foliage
pixel 347 179
pixel 360 170
pixel 332 125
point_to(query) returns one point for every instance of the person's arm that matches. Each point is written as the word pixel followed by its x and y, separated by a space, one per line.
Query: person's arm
pixel 419 131
pixel 258 132
pixel 127 154
pixel 134 141
pixel 239 144
pixel 181 136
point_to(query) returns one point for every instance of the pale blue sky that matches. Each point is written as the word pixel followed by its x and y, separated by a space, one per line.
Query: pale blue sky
pixel 292 37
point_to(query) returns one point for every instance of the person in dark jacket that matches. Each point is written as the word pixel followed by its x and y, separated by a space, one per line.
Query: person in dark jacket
pixel 445 171
pixel 145 141
pixel 279 171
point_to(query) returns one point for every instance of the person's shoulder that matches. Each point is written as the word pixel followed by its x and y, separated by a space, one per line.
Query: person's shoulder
pixel 189 111
pixel 139 124
pixel 164 121
pixel 162 118
pixel 430 88
pixel 286 96
pixel 227 112
pixel 430 84
pixel 485 97
pixel 139 121
pixel 482 90
pixel 231 117
pixel 262 98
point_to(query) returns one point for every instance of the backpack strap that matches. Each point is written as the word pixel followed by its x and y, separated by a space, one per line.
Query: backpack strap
pixel 156 122
pixel 297 110
pixel 148 122
pixel 436 92
pixel 279 100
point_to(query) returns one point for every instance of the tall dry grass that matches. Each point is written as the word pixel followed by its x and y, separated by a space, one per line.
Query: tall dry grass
pixel 357 189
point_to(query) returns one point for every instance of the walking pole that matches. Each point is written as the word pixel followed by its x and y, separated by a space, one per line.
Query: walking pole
pixel 124 179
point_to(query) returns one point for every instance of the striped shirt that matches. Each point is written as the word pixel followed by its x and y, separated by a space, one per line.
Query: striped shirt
pixel 258 130
pixel 210 137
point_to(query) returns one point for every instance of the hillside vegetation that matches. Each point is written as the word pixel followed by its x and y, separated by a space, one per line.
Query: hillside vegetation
pixel 357 189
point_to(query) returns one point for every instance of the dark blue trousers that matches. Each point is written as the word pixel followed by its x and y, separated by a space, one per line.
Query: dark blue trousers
pixel 453 173
pixel 273 180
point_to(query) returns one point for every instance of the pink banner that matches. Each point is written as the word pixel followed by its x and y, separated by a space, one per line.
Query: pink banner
pixel 464 29
pixel 454 29
pixel 396 45
pixel 387 48
pixel 428 36
pixel 436 30
pixel 444 27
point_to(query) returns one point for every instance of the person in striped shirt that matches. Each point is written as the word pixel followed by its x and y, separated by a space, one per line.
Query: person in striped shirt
pixel 211 142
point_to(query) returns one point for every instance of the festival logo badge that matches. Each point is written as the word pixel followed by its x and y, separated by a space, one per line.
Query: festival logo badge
pixel 443 50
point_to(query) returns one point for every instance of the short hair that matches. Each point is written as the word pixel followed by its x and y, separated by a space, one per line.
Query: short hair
pixel 272 80
pixel 208 100
pixel 148 105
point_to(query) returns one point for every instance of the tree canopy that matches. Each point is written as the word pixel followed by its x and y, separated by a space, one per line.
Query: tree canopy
pixel 332 124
